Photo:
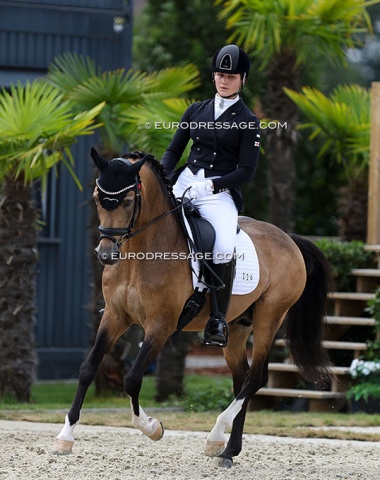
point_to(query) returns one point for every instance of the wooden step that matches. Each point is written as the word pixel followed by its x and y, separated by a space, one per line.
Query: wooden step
pixel 290 367
pixel 350 303
pixel 298 393
pixel 367 279
pixel 363 297
pixel 362 321
pixel 334 345
pixel 366 272
pixel 372 248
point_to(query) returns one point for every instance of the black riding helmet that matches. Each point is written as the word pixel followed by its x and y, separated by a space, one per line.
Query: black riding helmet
pixel 231 59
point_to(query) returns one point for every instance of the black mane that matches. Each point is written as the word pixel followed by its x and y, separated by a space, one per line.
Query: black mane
pixel 157 168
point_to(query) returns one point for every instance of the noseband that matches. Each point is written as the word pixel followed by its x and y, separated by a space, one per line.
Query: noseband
pixel 126 233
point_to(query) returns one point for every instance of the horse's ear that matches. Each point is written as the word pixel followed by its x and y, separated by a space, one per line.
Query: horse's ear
pixel 99 161
pixel 135 167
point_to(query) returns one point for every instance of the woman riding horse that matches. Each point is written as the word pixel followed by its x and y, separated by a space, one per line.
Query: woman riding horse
pixel 136 209
pixel 224 154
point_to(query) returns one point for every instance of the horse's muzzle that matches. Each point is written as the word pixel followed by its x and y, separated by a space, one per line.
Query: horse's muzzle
pixel 108 255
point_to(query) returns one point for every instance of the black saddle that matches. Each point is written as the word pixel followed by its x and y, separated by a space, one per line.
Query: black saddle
pixel 203 241
pixel 202 230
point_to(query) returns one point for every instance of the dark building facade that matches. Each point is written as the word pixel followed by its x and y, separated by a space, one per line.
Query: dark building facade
pixel 32 34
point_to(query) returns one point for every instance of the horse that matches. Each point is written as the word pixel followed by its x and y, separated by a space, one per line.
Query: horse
pixel 136 210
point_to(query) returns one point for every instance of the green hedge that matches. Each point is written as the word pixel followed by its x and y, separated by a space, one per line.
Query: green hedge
pixel 343 257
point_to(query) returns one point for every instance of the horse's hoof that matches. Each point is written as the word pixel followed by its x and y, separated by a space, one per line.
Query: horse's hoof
pixel 62 447
pixel 159 433
pixel 214 448
pixel 223 462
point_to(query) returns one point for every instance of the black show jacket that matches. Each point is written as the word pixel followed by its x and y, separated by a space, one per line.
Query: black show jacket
pixel 227 147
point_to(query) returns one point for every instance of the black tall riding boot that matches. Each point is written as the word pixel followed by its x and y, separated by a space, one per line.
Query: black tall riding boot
pixel 216 330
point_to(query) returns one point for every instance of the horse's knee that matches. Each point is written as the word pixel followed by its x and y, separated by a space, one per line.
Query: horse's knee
pixel 89 367
pixel 87 372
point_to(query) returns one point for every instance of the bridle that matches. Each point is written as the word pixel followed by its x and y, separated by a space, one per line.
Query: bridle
pixel 126 233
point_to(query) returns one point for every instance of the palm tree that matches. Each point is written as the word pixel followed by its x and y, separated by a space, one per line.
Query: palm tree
pixel 37 128
pixel 342 121
pixel 283 36
pixel 84 84
pixel 132 101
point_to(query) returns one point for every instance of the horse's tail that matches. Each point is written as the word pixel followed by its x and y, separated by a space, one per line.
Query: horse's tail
pixel 306 318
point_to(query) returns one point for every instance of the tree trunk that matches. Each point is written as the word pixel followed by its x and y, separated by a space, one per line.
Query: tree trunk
pixel 171 368
pixel 281 142
pixel 18 257
pixel 353 206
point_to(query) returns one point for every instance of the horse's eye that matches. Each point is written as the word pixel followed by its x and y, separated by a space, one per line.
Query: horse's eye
pixel 128 202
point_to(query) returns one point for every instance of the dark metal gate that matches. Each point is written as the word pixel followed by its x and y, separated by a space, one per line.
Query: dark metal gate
pixel 32 33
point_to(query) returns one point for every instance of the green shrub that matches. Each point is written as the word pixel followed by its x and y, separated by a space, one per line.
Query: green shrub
pixel 213 398
pixel 343 257
pixel 365 371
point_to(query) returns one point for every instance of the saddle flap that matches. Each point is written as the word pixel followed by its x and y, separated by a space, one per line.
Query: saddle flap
pixel 202 230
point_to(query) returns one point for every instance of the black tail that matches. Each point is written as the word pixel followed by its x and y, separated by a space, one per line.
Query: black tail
pixel 306 318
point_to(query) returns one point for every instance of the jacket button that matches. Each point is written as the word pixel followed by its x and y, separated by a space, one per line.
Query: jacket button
pixel 214 153
pixel 211 165
pixel 198 149
pixel 196 138
pixel 195 161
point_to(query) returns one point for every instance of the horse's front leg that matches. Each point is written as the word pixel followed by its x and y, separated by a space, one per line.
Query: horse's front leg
pixel 65 440
pixel 149 426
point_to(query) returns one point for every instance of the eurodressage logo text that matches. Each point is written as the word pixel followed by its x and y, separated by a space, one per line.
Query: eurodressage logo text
pixel 215 125
pixel 174 256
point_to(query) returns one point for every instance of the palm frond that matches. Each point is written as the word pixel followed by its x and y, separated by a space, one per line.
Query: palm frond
pixel 85 87
pixel 70 69
pixel 176 80
pixel 151 125
pixel 296 26
pixel 37 127
pixel 342 120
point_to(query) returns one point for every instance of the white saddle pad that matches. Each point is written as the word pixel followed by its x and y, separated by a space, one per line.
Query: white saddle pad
pixel 247 265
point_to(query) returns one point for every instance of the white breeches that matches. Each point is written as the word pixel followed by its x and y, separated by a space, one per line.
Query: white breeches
pixel 219 209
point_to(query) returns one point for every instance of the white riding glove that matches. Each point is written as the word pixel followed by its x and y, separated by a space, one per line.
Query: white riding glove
pixel 200 189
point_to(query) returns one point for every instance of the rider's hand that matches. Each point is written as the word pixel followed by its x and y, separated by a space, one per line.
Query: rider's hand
pixel 200 189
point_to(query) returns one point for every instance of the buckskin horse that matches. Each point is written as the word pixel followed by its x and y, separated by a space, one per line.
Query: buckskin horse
pixel 136 207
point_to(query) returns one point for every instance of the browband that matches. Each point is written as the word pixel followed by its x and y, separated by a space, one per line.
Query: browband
pixel 114 193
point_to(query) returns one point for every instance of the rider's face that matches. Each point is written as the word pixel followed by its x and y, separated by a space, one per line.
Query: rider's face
pixel 227 83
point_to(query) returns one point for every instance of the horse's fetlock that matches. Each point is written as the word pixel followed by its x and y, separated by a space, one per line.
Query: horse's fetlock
pixel 132 386
pixel 73 418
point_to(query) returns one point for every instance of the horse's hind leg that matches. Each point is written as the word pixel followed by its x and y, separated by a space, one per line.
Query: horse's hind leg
pixel 236 357
pixel 267 320
pixel 103 344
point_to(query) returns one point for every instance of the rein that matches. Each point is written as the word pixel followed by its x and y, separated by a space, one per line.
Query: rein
pixel 126 233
